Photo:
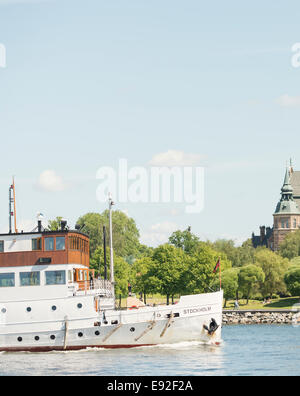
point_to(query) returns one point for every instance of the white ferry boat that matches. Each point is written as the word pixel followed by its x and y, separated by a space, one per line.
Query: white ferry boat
pixel 51 300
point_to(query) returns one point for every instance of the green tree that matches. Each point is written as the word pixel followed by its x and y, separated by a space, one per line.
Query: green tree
pixel 227 247
pixel 200 265
pixel 290 246
pixel 54 225
pixel 250 277
pixel 125 232
pixel 274 268
pixel 122 269
pixel 143 280
pixel 184 240
pixel 230 284
pixel 292 280
pixel 169 265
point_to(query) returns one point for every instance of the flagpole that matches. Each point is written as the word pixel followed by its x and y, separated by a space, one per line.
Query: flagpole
pixel 220 274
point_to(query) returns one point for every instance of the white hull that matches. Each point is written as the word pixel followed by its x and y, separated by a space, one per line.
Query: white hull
pixel 69 328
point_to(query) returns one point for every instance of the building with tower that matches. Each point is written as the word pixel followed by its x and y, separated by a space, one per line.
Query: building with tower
pixel 286 216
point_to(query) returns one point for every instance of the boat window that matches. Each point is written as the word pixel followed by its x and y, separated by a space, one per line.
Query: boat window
pixel 70 276
pixel 1 246
pixel 37 244
pixel 60 243
pixel 55 277
pixel 29 279
pixel 7 280
pixel 49 244
pixel 76 243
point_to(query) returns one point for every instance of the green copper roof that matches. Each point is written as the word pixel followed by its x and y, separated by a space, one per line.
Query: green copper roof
pixel 287 205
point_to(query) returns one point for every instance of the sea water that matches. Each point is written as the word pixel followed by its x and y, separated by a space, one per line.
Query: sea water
pixel 246 350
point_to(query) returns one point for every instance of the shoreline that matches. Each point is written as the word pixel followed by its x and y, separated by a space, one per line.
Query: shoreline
pixel 284 316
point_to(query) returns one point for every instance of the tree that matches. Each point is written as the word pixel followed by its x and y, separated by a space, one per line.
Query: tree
pixel 169 264
pixel 125 232
pixel 199 275
pixel 274 268
pixel 142 278
pixel 184 240
pixel 292 280
pixel 290 246
pixel 54 225
pixel 227 247
pixel 122 270
pixel 250 276
pixel 230 283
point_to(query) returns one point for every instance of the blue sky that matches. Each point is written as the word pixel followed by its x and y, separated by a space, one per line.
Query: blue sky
pixel 90 82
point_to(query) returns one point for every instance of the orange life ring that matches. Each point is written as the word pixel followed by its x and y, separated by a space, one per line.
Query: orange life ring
pixel 134 307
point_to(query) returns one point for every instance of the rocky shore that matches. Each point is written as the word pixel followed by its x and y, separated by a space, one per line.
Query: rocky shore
pixel 257 317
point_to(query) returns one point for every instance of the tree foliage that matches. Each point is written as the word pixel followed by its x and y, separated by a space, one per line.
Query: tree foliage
pixel 125 232
pixel 250 277
pixel 290 247
pixel 292 280
pixel 274 268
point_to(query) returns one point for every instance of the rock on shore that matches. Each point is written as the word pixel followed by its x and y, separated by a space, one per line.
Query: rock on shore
pixel 257 317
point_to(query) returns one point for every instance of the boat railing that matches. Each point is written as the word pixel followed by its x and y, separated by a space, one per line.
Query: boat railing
pixel 100 285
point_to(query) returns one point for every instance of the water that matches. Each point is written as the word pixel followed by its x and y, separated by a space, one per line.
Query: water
pixel 247 350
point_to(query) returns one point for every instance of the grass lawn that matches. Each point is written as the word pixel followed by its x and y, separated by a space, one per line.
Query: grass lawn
pixel 281 303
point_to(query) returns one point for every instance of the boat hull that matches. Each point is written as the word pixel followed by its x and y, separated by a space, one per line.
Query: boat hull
pixel 189 320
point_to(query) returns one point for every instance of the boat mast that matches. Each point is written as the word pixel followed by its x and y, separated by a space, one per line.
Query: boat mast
pixel 12 210
pixel 112 275
pixel 15 210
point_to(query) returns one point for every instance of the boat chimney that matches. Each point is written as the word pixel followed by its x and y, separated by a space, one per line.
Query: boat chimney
pixel 63 225
pixel 40 226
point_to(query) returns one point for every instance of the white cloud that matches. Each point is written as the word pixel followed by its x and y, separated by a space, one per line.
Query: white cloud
pixel 50 181
pixel 176 158
pixel 158 233
pixel 288 101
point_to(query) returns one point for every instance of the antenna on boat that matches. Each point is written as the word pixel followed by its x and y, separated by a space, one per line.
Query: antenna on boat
pixel 112 275
pixel 12 211
pixel 104 248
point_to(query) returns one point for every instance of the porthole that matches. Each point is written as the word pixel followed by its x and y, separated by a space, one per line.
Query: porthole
pixel 79 306
pixel 54 308
pixel 132 329
pixel 3 310
pixel 28 309
pixel 52 337
pixel 20 339
pixel 80 335
pixel 37 338
pixel 97 333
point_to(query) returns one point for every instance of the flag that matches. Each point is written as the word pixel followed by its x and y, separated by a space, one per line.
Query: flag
pixel 217 266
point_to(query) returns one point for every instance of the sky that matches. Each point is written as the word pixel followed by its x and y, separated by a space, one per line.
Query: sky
pixel 167 82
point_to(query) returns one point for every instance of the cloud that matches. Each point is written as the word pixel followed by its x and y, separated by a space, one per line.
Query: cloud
pixel 176 158
pixel 50 181
pixel 288 101
pixel 158 233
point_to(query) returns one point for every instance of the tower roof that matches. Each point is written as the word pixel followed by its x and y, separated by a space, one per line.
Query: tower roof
pixel 287 205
